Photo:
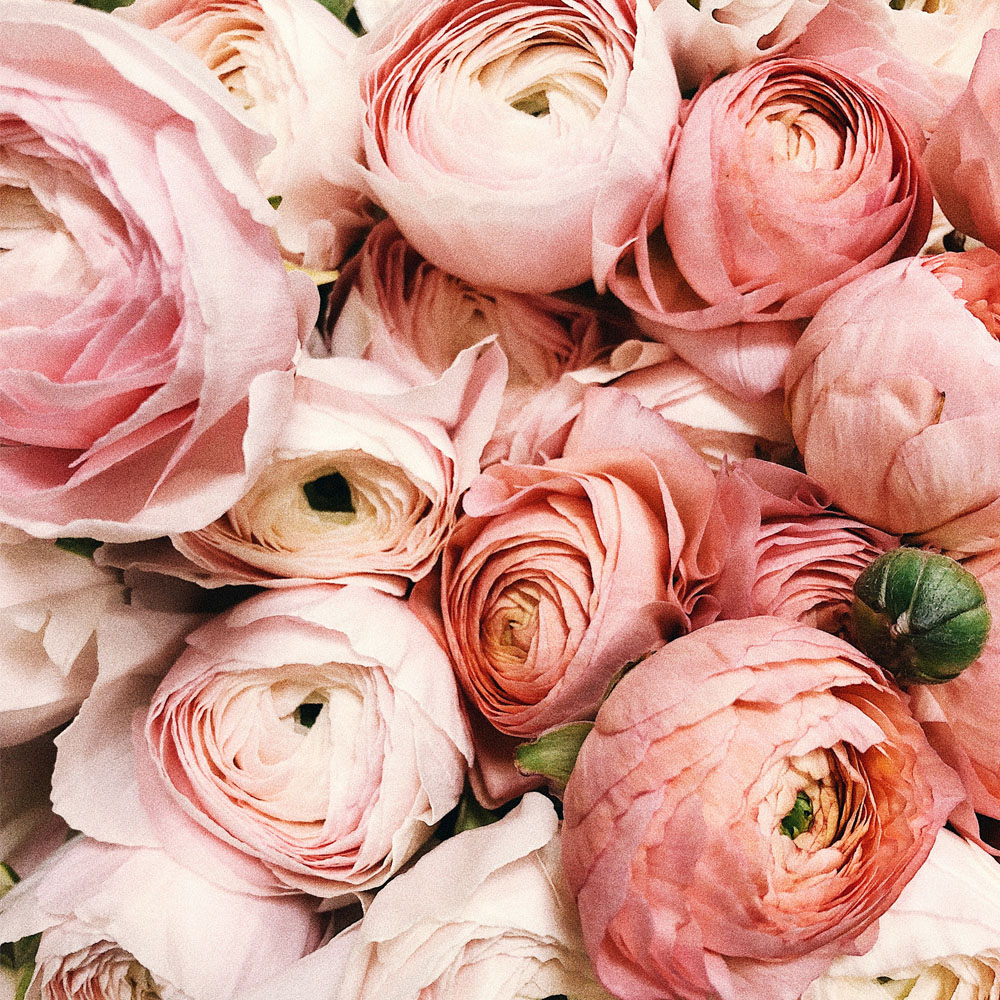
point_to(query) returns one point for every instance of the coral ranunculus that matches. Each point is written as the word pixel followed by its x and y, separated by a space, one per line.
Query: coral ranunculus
pixel 141 388
pixel 893 392
pixel 752 798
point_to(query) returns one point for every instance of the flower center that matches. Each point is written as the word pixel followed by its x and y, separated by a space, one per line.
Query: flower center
pixel 511 628
pixel 330 493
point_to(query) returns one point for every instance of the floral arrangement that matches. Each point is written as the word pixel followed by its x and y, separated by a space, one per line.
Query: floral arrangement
pixel 499 499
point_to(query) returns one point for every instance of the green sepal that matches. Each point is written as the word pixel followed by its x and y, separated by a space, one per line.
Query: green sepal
pixel 471 815
pixel 85 547
pixel 553 754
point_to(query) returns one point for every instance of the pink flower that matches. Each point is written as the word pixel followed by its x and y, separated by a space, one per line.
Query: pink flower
pixel 290 64
pixel 508 141
pixel 893 395
pixel 140 383
pixel 362 487
pixel 559 574
pixel 309 739
pixel 962 155
pixel 121 922
pixel 792 554
pixel 790 179
pixel 752 798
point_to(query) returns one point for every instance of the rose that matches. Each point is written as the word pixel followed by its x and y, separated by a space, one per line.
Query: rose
pixel 414 318
pixel 141 385
pixel 790 179
pixel 717 424
pixel 938 941
pixel 363 485
pixel 308 739
pixel 508 141
pixel 962 157
pixel 893 398
pixel 118 923
pixel 752 798
pixel 289 63
pixel 559 574
pixel 56 605
pixel 792 554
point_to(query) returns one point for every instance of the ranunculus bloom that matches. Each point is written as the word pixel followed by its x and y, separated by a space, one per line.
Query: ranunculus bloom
pixel 717 424
pixel 141 384
pixel 939 941
pixel 792 554
pixel 414 318
pixel 752 798
pixel 308 739
pixel 962 155
pixel 559 574
pixel 498 135
pixel 290 64
pixel 119 923
pixel 362 487
pixel 55 606
pixel 714 37
pixel 893 392
pixel 790 179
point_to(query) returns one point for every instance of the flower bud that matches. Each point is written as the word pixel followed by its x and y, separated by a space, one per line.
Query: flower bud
pixel 920 615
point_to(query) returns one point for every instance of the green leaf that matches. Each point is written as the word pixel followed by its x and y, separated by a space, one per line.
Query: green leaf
pixel 471 815
pixel 339 8
pixel 105 5
pixel 8 878
pixel 85 547
pixel 274 201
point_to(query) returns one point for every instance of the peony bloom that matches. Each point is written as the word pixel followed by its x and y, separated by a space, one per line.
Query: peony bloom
pixel 962 154
pixel 508 140
pixel 752 798
pixel 716 424
pixel 309 740
pixel 893 395
pixel 141 385
pixel 362 487
pixel 120 923
pixel 559 574
pixel 56 606
pixel 792 554
pixel 790 179
pixel 289 64
pixel 939 941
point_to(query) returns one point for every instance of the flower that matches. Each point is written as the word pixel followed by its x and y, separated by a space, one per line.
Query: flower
pixel 962 155
pixel 559 574
pixel 363 485
pixel 485 915
pixel 309 740
pixel 752 798
pixel 793 555
pixel 893 391
pixel 141 383
pixel 790 179
pixel 497 135
pixel 119 923
pixel 291 65
pixel 938 941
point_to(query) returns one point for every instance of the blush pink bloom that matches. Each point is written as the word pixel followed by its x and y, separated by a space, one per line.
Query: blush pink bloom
pixel 893 393
pixel 291 65
pixel 509 141
pixel 715 423
pixel 410 316
pixel 362 487
pixel 752 798
pixel 962 155
pixel 118 923
pixel 559 574
pixel 792 554
pixel 139 383
pixel 790 179
pixel 308 740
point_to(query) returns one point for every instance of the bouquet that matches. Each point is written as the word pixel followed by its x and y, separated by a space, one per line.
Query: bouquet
pixel 499 499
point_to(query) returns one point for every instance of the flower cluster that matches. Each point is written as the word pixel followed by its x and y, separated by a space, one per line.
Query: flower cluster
pixel 499 499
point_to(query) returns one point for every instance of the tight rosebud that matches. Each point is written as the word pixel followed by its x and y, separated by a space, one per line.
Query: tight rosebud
pixel 920 615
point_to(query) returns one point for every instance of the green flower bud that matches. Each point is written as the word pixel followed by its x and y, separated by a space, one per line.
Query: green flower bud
pixel 920 615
